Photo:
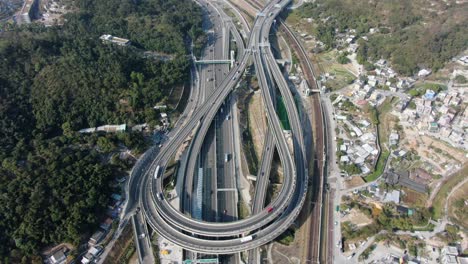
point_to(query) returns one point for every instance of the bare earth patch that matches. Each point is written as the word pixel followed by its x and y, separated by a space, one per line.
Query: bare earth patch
pixel 354 182
pixel 257 122
pixel 286 254
pixel 358 218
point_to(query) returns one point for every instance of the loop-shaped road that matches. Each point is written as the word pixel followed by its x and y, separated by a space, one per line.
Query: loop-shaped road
pixel 263 227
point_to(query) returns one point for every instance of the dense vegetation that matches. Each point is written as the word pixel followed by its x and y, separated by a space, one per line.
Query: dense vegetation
pixel 411 34
pixel 386 218
pixel 54 183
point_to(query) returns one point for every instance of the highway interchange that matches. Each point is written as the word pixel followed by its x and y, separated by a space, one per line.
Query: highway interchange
pixel 210 132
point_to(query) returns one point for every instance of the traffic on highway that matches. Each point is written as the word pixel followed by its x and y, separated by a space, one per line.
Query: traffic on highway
pixel 264 225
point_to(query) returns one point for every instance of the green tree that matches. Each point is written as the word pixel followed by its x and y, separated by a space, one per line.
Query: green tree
pixel 343 59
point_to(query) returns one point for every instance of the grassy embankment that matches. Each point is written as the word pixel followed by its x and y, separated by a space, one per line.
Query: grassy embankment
pixel 441 196
pixel 383 124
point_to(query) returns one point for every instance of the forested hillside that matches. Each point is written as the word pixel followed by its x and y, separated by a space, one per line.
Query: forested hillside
pixel 412 34
pixel 54 183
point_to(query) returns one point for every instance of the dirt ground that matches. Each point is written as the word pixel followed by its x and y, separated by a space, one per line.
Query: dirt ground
pixel 357 217
pixel 286 254
pixel 457 154
pixel 414 198
pixel 257 122
pixel 426 147
pixel 134 258
pixel 354 182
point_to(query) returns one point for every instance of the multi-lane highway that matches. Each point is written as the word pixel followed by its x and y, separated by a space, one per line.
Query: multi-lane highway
pixel 264 225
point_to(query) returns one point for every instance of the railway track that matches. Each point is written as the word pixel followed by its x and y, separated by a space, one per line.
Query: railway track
pixel 315 235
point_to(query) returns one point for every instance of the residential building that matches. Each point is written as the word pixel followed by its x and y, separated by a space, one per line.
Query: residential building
pixel 393 196
pixel 424 72
pixel 393 138
pixel 433 127
pixel 404 210
pixel 97 237
pixel 429 95
pixel 58 257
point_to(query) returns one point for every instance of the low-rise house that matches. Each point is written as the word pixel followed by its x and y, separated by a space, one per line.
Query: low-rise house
pixel 430 95
pixel 364 123
pixel 405 181
pixel 462 260
pixel 372 83
pixel 341 117
pixel 368 137
pixel 370 149
pixel 393 196
pixel 106 224
pixel 58 257
pixel 424 72
pixel 364 169
pixel 433 127
pixel 399 153
pixel 456 136
pixel 403 210
pixel 449 255
pixel 97 237
pixel 344 159
pixel 394 138
pixel 87 258
pixel 95 251
pixel 116 197
pixel 391 178
pixel 455 101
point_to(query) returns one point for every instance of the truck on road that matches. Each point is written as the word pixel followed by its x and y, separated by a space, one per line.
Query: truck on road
pixel 246 239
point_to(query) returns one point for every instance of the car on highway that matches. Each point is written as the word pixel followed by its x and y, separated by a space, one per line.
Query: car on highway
pixel 246 239
pixel 225 211
pixel 270 209
pixel 228 117
pixel 226 157
pixel 160 196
